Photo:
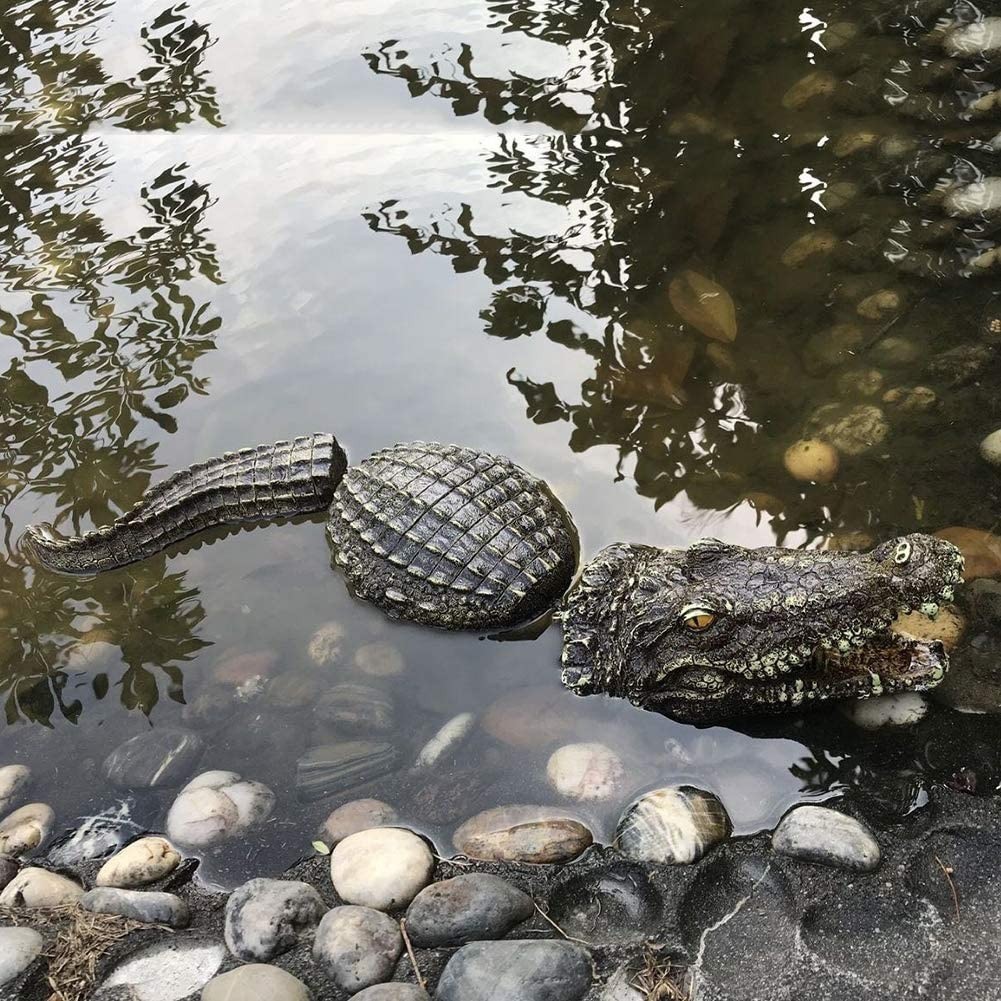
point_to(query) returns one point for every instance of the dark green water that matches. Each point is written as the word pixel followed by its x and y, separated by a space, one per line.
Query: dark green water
pixel 227 223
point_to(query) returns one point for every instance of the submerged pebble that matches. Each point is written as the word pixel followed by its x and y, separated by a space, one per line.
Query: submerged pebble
pixel 902 709
pixel 587 771
pixel 215 806
pixel 383 868
pixel 980 37
pixel 466 908
pixel 245 668
pixel 851 430
pixel 147 906
pixel 675 825
pixel 13 779
pixel 356 709
pixel 357 947
pixel 325 644
pixel 358 815
pixel 379 660
pixel 990 448
pixel 333 768
pixel 26 828
pixel 161 757
pixel 33 887
pixel 265 917
pixel 522 833
pixel 812 461
pixel 446 740
pixel 95 836
pixel 980 198
pixel 981 550
pixel 818 834
pixel 255 982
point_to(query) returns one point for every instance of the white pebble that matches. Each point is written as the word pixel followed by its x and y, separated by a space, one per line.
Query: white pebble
pixel 902 709
pixel 13 779
pixel 818 834
pixel 586 771
pixel 980 198
pixel 990 448
pixel 25 829
pixel 143 861
pixel 976 39
pixel 34 887
pixel 383 868
pixel 449 737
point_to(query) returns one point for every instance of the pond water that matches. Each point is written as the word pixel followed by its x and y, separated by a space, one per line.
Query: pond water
pixel 478 221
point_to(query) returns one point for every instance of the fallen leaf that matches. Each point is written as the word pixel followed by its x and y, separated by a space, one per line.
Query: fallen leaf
pixel 704 304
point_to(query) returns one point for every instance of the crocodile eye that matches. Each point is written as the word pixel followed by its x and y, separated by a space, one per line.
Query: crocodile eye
pixel 698 618
pixel 902 553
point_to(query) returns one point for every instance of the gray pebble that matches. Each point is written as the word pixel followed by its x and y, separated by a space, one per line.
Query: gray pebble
pixel 19 947
pixel 357 947
pixel 528 971
pixel 392 992
pixel 148 906
pixel 255 982
pixel 819 834
pixel 265 917
pixel 155 759
pixel 466 909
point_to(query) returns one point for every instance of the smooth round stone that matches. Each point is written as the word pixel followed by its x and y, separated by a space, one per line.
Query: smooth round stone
pixel 169 970
pixel 947 627
pixel 325 644
pixel 335 768
pixel 215 806
pixel 851 431
pixel 265 917
pixel 818 834
pixel 25 829
pixel 239 668
pixel 294 690
pixel 138 905
pixel 529 971
pixel 357 709
pixel 161 757
pixel 981 550
pixel 383 868
pixel 19 948
pixel 467 908
pixel 256 982
pixel 141 862
pixel 584 772
pixel 446 740
pixel 533 717
pixel 812 461
pixel 379 660
pixel 357 947
pixel 979 38
pixel 902 709
pixel 615 904
pixel 33 887
pixel 358 815
pixel 522 833
pixel 675 825
pixel 895 352
pixel 990 448
pixel 979 198
pixel 392 992
pixel 13 779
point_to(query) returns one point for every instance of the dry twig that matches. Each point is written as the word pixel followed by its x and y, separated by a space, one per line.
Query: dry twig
pixel 659 980
pixel 569 938
pixel 947 872
pixel 410 952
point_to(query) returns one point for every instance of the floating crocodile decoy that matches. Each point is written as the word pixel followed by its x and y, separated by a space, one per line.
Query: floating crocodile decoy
pixel 462 539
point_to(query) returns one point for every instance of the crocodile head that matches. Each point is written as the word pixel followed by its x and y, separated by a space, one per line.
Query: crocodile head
pixel 716 631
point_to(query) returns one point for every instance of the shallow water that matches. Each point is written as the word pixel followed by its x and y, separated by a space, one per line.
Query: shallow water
pixel 231 223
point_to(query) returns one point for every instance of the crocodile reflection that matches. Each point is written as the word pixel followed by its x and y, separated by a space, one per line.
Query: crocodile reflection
pixel 122 319
pixel 817 166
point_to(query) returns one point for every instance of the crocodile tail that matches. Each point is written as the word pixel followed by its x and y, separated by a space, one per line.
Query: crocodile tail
pixel 254 484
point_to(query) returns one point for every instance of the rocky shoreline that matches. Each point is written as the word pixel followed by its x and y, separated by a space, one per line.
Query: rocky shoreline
pixel 753 918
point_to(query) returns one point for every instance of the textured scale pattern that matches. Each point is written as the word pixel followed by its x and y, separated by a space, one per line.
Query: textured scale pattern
pixel 451 536
pixel 265 482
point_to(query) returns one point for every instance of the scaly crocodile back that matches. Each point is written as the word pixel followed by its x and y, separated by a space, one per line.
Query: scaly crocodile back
pixel 254 484
pixel 451 537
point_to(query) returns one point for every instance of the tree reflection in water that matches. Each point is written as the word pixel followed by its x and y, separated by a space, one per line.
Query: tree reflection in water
pixel 695 144
pixel 108 332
